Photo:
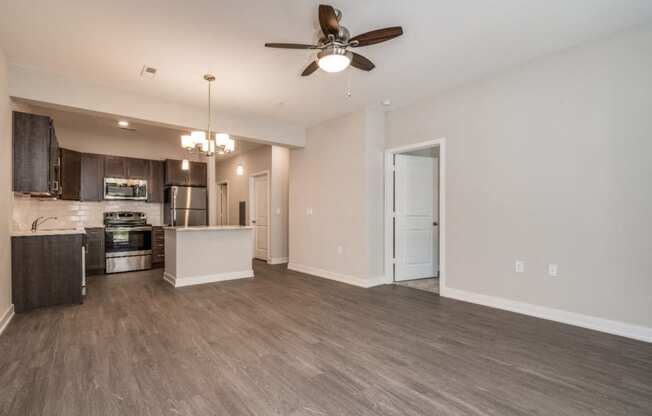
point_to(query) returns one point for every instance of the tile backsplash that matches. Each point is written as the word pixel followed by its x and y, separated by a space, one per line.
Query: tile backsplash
pixel 74 213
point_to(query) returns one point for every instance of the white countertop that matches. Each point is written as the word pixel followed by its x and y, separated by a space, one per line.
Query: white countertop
pixel 48 231
pixel 211 228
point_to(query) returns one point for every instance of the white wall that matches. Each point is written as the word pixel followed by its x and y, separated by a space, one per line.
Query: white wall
pixel 6 306
pixel 550 163
pixel 34 85
pixel 336 197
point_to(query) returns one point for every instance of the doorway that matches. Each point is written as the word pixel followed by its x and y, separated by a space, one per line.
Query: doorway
pixel 414 189
pixel 259 213
pixel 223 203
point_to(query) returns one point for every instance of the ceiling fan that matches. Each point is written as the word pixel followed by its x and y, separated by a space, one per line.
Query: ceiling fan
pixel 334 54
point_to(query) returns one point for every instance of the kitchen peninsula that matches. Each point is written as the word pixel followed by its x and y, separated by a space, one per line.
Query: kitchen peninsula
pixel 206 254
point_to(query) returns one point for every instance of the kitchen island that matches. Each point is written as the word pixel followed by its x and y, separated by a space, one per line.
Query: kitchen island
pixel 207 254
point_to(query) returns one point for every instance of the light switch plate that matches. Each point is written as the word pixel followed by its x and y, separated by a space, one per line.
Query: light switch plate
pixel 519 266
pixel 553 270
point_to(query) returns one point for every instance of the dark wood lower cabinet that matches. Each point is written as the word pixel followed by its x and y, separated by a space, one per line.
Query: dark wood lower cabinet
pixel 158 247
pixel 95 261
pixel 46 271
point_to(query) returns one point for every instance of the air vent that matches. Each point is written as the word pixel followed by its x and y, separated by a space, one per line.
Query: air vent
pixel 148 72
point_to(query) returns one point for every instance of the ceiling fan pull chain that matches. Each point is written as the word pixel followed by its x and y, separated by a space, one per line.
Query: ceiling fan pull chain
pixel 348 83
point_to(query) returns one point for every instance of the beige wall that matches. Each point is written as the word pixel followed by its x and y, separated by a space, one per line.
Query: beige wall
pixel 336 199
pixel 6 190
pixel 275 160
pixel 550 163
pixel 279 200
pixel 255 161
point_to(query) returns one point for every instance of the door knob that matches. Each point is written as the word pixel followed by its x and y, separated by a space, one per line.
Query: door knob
pixel 434 224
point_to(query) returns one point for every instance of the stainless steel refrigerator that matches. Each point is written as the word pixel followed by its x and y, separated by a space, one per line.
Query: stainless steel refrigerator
pixel 185 206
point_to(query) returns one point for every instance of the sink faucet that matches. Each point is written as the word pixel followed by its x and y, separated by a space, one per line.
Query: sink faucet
pixel 36 222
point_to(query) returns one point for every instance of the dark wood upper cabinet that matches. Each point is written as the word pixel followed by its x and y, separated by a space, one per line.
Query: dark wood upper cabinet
pixel 36 154
pixel 156 181
pixel 70 175
pixel 46 271
pixel 194 176
pixel 174 175
pixel 137 168
pixel 92 177
pixel 198 172
pixel 115 167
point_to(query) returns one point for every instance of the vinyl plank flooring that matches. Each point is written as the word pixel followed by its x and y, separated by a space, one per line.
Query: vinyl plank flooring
pixel 285 343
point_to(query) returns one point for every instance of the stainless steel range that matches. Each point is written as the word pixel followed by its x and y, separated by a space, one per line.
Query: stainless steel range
pixel 128 242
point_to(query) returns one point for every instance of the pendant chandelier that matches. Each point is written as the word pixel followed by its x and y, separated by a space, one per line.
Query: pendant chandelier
pixel 202 142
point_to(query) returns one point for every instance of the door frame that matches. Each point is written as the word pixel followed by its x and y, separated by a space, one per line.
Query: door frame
pixel 389 200
pixel 228 197
pixel 269 209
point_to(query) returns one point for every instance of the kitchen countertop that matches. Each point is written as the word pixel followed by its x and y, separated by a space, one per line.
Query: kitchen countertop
pixel 211 228
pixel 47 231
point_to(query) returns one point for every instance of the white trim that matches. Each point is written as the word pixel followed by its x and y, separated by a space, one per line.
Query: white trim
pixel 351 280
pixel 200 280
pixel 442 205
pixel 637 332
pixel 6 318
pixel 279 260
pixel 269 209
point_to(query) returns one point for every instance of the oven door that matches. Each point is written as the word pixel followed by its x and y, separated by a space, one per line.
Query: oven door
pixel 121 241
pixel 130 189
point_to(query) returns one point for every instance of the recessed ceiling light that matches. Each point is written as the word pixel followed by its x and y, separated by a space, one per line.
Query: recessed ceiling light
pixel 386 103
pixel 123 123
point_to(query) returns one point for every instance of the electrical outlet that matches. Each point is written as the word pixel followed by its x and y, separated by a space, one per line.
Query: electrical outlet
pixel 308 211
pixel 340 250
pixel 278 211
pixel 519 266
pixel 553 270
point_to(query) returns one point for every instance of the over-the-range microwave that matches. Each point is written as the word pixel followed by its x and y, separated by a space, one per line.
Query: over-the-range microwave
pixel 125 189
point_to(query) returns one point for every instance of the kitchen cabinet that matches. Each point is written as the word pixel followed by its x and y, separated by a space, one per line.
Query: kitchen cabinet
pixel 115 167
pixel 137 168
pixel 158 247
pixel 194 176
pixel 35 153
pixel 95 261
pixel 70 175
pixel 46 270
pixel 156 181
pixel 198 174
pixel 92 177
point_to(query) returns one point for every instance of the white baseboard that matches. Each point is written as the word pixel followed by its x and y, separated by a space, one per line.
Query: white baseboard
pixel 279 260
pixel 200 280
pixel 351 280
pixel 637 332
pixel 6 318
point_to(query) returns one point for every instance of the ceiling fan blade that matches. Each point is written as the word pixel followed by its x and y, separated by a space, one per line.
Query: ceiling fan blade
pixel 310 69
pixel 290 46
pixel 377 36
pixel 360 62
pixel 328 20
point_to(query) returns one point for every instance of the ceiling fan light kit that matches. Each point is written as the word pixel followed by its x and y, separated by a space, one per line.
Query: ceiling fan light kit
pixel 334 59
pixel 334 54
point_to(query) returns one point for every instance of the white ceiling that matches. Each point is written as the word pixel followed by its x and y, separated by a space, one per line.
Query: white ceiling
pixel 108 127
pixel 445 43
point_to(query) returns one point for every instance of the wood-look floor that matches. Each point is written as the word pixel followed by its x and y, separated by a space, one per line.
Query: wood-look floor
pixel 289 344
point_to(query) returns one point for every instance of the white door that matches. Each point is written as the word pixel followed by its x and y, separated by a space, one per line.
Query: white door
pixel 413 230
pixel 261 221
